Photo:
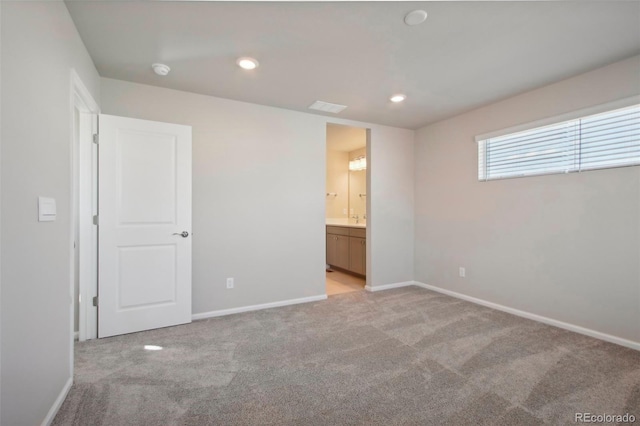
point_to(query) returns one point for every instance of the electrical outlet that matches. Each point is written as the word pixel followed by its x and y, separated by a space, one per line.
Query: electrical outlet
pixel 229 282
pixel 344 211
pixel 462 271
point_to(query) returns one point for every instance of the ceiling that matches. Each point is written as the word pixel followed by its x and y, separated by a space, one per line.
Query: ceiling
pixel 466 54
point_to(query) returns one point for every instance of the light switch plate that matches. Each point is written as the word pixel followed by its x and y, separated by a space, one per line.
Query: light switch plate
pixel 46 209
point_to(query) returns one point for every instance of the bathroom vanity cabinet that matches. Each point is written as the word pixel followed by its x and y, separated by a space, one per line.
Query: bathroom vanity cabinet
pixel 347 248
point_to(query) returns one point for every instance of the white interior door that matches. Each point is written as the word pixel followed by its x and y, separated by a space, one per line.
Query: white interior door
pixel 144 231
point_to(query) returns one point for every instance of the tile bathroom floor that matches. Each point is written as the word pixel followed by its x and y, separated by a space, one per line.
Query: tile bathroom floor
pixel 341 282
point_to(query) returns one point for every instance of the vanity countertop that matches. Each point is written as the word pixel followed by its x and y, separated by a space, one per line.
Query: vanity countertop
pixel 349 223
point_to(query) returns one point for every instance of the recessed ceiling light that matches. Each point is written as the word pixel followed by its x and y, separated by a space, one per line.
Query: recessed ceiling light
pixel 247 63
pixel 415 17
pixel 161 69
pixel 398 98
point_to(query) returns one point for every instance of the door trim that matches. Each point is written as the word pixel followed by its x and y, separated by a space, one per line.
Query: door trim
pixel 368 235
pixel 84 188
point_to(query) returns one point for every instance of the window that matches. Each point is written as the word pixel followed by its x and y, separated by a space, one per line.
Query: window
pixel 607 139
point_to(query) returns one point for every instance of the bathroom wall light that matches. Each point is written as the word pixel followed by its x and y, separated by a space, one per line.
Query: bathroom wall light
pixel 358 164
pixel 398 98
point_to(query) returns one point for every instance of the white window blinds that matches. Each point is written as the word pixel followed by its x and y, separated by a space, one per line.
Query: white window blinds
pixel 609 139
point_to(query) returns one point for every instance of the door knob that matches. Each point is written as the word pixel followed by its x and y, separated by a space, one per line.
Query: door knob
pixel 183 234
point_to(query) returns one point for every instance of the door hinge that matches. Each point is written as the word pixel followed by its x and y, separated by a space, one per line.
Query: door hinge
pixel 96 138
pixel 95 301
pixel 95 220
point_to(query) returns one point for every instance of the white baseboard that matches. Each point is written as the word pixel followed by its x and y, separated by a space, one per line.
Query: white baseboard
pixel 389 286
pixel 550 321
pixel 223 312
pixel 58 403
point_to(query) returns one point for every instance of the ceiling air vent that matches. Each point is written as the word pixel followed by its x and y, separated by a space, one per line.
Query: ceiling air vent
pixel 327 107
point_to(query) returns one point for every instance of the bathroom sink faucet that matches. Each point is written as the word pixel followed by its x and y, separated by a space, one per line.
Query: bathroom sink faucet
pixel 356 217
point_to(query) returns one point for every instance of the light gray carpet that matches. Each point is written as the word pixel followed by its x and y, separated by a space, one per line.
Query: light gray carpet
pixel 404 356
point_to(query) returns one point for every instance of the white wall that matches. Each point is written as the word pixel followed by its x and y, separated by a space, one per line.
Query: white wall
pixel 390 206
pixel 259 195
pixel 566 247
pixel 40 45
pixel 258 191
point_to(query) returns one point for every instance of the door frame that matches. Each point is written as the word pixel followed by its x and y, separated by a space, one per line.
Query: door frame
pixel 368 239
pixel 83 205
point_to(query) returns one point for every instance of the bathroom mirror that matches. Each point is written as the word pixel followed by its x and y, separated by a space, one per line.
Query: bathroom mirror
pixel 358 187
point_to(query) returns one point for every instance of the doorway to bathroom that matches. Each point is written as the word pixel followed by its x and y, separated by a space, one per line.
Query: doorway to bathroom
pixel 346 208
